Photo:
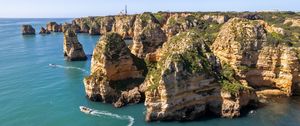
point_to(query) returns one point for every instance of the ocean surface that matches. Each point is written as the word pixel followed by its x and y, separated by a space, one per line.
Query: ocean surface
pixel 34 94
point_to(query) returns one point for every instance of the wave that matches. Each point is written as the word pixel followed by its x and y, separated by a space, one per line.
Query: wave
pixel 67 67
pixel 121 117
pixel 105 113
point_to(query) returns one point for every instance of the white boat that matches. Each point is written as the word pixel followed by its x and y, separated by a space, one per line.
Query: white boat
pixel 85 109
pixel 52 65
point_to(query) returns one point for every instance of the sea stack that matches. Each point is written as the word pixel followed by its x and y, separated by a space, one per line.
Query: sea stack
pixel 28 30
pixel 72 48
pixel 44 31
pixel 54 27
pixel 116 74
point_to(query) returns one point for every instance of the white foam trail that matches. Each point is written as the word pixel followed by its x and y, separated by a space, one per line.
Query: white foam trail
pixel 121 117
pixel 67 67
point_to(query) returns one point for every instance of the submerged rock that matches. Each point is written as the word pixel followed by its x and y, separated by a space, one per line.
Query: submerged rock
pixel 73 50
pixel 115 73
pixel 28 30
pixel 44 31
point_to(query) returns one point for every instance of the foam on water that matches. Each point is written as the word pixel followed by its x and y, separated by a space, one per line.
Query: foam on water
pixel 121 117
pixel 67 67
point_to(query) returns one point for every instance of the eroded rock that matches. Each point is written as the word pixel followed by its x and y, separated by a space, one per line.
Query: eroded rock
pixel 115 73
pixel 73 49
pixel 28 30
pixel 148 35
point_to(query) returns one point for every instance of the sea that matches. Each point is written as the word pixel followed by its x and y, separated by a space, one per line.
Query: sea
pixel 32 93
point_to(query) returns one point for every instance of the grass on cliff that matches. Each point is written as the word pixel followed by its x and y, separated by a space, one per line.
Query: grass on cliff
pixel 227 80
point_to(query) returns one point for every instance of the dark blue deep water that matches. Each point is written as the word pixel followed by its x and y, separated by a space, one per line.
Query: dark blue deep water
pixel 34 94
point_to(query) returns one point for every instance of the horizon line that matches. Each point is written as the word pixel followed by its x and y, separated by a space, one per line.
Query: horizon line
pixel 257 11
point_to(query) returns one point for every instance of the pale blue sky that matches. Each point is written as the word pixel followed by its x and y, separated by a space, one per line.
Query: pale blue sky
pixel 79 8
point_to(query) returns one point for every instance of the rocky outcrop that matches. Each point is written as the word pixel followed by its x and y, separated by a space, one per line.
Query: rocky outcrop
pixel 28 30
pixel 124 26
pixel 106 24
pixel 183 84
pixel 177 23
pixel 251 51
pixel 54 27
pixel 251 16
pixel 73 50
pixel 233 103
pixel 72 26
pixel 44 31
pixel 216 18
pixel 293 22
pixel 115 73
pixel 95 29
pixel 148 35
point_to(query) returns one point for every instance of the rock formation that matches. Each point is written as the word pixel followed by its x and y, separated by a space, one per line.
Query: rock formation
pixel 72 26
pixel 115 73
pixel 73 50
pixel 217 18
pixel 185 83
pixel 251 51
pixel 124 26
pixel 95 29
pixel 54 27
pixel 106 24
pixel 294 22
pixel 148 35
pixel 44 31
pixel 28 30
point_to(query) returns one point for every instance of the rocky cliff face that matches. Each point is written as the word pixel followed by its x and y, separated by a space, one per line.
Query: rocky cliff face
pixel 294 22
pixel 54 27
pixel 27 30
pixel 251 51
pixel 187 82
pixel 106 24
pixel 217 18
pixel 73 50
pixel 94 29
pixel 183 83
pixel 115 73
pixel 148 35
pixel 124 26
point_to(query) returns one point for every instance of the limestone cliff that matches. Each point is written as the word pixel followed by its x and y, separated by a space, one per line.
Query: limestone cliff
pixel 124 26
pixel 114 71
pixel 54 27
pixel 255 55
pixel 73 50
pixel 148 35
pixel 187 82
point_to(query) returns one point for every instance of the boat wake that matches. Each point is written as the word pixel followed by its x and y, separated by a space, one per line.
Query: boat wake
pixel 67 67
pixel 105 113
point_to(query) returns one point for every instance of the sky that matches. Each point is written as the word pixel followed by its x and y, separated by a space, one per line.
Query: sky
pixel 82 8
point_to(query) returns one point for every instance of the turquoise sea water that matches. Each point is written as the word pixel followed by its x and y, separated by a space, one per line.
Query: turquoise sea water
pixel 34 94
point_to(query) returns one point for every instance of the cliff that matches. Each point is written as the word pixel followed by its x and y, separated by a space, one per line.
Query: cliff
pixel 196 63
pixel 256 56
pixel 73 50
pixel 114 71
pixel 187 82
